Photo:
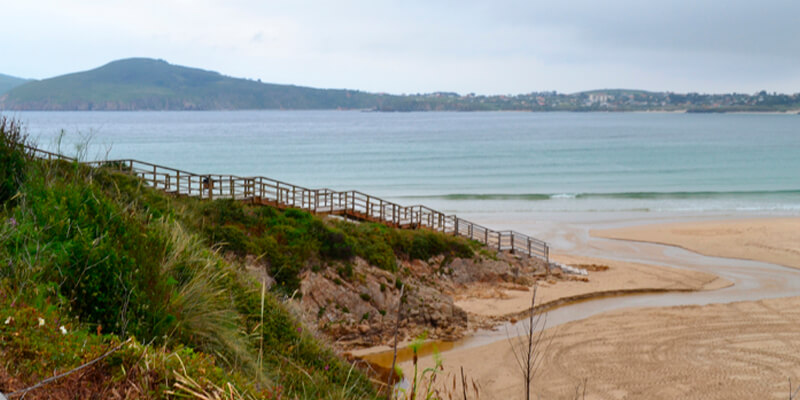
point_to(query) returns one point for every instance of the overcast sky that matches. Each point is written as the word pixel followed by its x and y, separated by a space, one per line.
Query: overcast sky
pixel 487 47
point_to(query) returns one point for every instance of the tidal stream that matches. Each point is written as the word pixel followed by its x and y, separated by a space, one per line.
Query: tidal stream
pixel 752 280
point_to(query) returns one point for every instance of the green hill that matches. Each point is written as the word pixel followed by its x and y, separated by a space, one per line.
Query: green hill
pixel 147 84
pixel 201 299
pixel 8 82
pixel 92 260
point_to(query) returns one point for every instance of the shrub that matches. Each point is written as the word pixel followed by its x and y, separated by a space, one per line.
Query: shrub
pixel 13 158
pixel 335 245
pixel 98 251
pixel 292 240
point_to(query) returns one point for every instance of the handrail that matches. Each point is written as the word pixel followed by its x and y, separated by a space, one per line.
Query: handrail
pixel 351 203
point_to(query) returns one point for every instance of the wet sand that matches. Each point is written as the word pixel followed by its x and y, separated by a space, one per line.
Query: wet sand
pixel 774 240
pixel 492 304
pixel 619 279
pixel 716 351
pixel 743 350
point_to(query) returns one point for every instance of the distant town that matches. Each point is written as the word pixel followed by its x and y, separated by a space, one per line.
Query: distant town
pixel 610 100
pixel 148 84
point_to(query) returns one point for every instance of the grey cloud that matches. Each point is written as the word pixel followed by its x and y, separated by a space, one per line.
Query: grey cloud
pixel 502 46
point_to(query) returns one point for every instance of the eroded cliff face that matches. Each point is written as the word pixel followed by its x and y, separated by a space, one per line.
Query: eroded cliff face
pixel 361 310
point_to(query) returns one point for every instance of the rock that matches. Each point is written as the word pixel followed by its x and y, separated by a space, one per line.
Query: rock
pixel 363 309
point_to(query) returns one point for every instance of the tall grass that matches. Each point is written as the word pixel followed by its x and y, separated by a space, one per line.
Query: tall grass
pixel 13 158
pixel 201 311
pixel 101 250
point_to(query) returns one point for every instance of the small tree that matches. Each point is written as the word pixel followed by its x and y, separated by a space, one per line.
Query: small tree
pixel 528 345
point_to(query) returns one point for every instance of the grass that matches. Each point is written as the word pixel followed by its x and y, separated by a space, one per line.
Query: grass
pixel 12 158
pixel 105 258
pixel 294 240
pixel 36 342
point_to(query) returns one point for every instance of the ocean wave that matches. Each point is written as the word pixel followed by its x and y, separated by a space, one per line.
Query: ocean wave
pixel 615 195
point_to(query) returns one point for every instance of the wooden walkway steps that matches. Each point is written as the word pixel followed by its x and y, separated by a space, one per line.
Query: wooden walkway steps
pixel 352 203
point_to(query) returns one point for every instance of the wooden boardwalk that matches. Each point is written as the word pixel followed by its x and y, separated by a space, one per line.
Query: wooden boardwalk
pixel 352 204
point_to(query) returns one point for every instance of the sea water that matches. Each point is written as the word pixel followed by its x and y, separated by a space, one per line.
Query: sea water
pixel 497 167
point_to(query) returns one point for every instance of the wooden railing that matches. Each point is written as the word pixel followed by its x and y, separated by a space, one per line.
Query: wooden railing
pixel 353 204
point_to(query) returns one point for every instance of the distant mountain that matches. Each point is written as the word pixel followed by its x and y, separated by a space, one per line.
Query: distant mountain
pixel 9 82
pixel 147 84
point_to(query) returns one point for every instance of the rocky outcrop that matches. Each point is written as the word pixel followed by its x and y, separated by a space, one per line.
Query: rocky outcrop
pixel 361 310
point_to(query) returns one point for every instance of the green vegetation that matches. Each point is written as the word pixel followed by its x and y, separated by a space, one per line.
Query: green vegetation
pixel 90 258
pixel 12 158
pixel 9 82
pixel 292 240
pixel 147 84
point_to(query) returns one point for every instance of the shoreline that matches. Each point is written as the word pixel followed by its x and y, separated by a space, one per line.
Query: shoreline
pixel 490 315
pixel 616 349
pixel 772 240
pixel 605 278
pixel 390 111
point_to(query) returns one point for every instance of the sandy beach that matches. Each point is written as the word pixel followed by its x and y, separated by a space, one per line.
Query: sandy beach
pixel 741 350
pixel 774 240
pixel 491 304
pixel 619 278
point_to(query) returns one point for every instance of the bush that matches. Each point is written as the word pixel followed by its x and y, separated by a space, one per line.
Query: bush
pixel 106 257
pixel 373 243
pixel 13 158
pixel 336 245
pixel 101 259
pixel 118 270
pixel 292 240
pixel 86 245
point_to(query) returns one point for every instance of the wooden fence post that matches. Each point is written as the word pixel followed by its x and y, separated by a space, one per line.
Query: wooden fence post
pixel 417 216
